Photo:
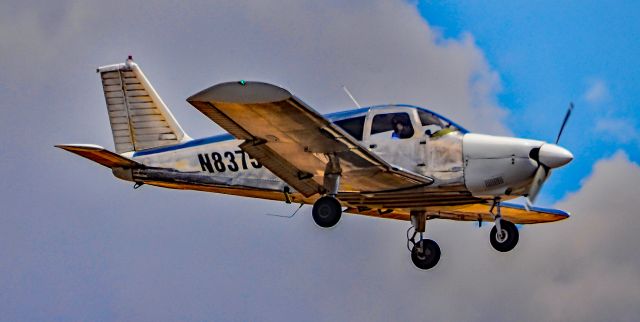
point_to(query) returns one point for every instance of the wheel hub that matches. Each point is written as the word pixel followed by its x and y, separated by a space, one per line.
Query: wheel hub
pixel 423 253
pixel 502 236
pixel 324 211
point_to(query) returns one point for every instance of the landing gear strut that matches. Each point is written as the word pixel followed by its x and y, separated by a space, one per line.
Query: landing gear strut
pixel 327 210
pixel 504 235
pixel 425 253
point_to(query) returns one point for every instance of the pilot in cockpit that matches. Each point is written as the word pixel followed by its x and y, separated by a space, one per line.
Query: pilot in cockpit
pixel 401 127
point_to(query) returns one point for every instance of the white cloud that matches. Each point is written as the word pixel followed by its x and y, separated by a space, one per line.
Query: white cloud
pixel 383 51
pixel 596 92
pixel 620 130
pixel 243 266
pixel 592 259
pixel 82 246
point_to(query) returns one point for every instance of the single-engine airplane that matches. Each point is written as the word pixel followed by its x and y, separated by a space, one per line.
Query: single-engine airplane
pixel 389 161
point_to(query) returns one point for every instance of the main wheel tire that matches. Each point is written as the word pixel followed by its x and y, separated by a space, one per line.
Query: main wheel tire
pixel 509 238
pixel 327 211
pixel 425 254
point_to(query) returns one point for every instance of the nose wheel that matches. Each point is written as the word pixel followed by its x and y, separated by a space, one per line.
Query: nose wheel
pixel 504 235
pixel 506 239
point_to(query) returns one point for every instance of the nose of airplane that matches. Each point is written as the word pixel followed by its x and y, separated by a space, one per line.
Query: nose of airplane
pixel 554 156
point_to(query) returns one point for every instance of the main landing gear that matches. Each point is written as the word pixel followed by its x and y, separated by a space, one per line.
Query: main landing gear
pixel 425 253
pixel 504 235
pixel 327 210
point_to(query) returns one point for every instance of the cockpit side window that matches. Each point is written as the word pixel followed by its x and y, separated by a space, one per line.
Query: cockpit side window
pixel 399 123
pixel 354 126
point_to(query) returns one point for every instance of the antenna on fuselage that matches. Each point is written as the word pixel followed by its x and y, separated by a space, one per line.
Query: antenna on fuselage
pixel 286 216
pixel 346 90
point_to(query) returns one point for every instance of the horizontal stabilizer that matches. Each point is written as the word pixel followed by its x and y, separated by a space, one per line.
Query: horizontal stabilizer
pixel 100 155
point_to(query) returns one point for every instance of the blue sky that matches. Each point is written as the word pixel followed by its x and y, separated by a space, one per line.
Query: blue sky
pixel 549 53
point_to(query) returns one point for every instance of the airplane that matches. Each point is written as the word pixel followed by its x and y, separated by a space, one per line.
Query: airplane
pixel 390 161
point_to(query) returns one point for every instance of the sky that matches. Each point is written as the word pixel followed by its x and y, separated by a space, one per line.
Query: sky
pixel 78 244
pixel 550 53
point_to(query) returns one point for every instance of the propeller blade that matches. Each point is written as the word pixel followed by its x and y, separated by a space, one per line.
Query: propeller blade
pixel 566 118
pixel 554 156
pixel 538 180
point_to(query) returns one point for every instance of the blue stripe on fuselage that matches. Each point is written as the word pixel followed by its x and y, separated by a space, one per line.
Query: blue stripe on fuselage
pixel 188 144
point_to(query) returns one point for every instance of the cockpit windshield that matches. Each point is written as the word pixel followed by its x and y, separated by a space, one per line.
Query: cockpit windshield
pixel 434 125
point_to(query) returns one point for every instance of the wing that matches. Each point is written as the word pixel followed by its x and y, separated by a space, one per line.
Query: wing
pixel 516 214
pixel 293 141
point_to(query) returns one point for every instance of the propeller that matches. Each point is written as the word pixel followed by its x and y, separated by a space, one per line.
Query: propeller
pixel 547 156
pixel 538 180
pixel 566 118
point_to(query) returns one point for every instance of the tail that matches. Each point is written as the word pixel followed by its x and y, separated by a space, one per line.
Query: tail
pixel 121 166
pixel 139 118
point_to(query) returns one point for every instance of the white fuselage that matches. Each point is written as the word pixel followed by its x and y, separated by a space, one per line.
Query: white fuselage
pixel 488 166
pixel 222 163
pixel 482 166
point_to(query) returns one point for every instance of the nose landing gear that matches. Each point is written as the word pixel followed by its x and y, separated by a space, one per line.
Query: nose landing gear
pixel 425 253
pixel 507 239
pixel 504 235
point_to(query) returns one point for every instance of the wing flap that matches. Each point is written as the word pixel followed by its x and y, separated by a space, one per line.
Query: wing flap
pixel 299 180
pixel 293 140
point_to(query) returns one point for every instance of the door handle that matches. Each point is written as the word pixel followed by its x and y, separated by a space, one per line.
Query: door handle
pixel 373 146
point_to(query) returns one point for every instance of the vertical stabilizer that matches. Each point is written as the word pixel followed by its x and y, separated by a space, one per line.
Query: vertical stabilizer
pixel 139 118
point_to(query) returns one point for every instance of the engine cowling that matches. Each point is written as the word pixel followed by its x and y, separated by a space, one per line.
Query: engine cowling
pixel 495 165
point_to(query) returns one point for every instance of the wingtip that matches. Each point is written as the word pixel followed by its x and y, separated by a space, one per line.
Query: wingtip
pixel 70 147
pixel 242 92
